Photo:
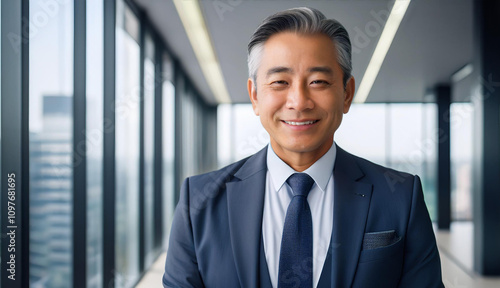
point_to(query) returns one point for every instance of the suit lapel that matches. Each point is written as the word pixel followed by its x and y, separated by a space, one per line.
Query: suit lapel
pixel 351 203
pixel 245 197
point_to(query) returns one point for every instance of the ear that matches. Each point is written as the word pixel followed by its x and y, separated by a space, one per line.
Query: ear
pixel 349 94
pixel 252 93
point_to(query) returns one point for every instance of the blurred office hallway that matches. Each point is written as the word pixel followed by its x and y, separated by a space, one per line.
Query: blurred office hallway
pixel 108 105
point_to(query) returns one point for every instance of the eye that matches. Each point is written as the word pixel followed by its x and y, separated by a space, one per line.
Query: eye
pixel 279 82
pixel 278 85
pixel 320 83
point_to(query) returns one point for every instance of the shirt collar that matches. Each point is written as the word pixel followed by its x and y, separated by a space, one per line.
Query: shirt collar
pixel 320 171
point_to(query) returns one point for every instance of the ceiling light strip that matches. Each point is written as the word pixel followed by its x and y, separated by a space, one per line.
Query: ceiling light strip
pixel 398 11
pixel 462 73
pixel 192 18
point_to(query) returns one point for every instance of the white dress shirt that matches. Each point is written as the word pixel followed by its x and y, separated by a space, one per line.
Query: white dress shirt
pixel 278 195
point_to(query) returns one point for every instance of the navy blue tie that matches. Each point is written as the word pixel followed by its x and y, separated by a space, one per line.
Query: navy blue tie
pixel 295 265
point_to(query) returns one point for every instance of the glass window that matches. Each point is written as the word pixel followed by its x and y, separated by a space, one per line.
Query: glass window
pixel 127 109
pixel 391 143
pixel 239 133
pixel 365 123
pixel 149 146
pixel 224 143
pixel 51 143
pixel 377 132
pixel 461 120
pixel 429 144
pixel 168 123
pixel 192 114
pixel 188 143
pixel 405 152
pixel 411 149
pixel 94 134
pixel 251 139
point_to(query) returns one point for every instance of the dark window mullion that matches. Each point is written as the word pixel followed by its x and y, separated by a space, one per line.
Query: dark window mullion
pixel 25 164
pixel 15 139
pixel 178 160
pixel 158 153
pixel 142 217
pixel 79 148
pixel 109 193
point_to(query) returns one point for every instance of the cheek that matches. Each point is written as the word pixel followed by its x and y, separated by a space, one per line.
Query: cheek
pixel 269 106
pixel 333 108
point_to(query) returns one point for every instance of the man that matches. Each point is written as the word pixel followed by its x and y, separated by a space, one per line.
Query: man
pixel 302 212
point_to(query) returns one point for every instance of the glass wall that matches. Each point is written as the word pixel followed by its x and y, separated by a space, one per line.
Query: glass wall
pixel 364 124
pixel 94 77
pixel 415 150
pixel 168 147
pixel 127 109
pixel 225 139
pixel 149 146
pixel 53 162
pixel 428 146
pixel 381 134
pixel 461 121
pixel 189 153
pixel 240 133
pixel 198 121
pixel 377 132
pixel 51 142
pixel 208 137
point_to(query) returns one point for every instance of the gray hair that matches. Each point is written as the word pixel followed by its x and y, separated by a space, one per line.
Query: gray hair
pixel 302 20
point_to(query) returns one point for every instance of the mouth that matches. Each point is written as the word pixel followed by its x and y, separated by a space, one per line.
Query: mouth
pixel 300 123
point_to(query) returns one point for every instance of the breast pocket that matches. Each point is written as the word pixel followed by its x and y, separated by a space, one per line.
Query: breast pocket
pixel 382 252
pixel 380 267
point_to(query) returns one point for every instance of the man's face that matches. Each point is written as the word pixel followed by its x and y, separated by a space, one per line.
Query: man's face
pixel 300 96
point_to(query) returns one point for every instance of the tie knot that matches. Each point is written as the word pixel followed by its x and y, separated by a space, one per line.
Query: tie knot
pixel 301 184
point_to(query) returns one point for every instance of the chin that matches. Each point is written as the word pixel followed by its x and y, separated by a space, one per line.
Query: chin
pixel 300 148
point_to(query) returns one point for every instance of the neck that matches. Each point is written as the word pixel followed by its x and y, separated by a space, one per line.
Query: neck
pixel 301 160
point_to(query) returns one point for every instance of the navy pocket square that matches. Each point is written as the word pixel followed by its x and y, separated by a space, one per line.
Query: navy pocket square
pixel 375 240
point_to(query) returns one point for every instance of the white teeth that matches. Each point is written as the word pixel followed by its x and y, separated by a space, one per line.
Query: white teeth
pixel 299 123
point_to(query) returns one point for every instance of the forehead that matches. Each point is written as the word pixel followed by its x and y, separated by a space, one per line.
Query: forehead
pixel 292 49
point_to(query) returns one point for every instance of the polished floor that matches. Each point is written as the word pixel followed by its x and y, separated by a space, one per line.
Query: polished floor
pixel 455 248
pixel 152 279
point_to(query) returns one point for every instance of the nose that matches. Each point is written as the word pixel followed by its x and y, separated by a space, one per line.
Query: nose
pixel 299 98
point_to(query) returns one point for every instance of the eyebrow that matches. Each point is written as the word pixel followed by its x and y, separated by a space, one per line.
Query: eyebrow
pixel 322 69
pixel 283 69
pixel 279 69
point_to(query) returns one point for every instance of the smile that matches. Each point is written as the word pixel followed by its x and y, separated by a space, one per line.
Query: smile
pixel 300 123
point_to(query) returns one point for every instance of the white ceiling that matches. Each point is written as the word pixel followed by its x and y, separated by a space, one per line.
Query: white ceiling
pixel 433 41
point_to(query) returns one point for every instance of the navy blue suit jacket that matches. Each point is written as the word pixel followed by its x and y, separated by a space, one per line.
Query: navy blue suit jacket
pixel 216 232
